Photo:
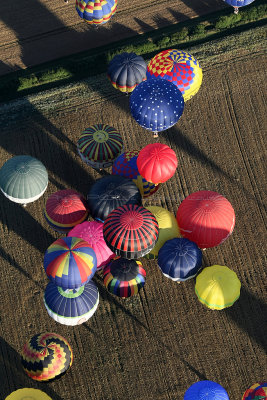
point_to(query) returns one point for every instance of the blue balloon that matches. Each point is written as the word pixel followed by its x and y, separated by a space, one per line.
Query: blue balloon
pixel 156 104
pixel 206 390
pixel 238 3
pixel 126 71
pixel 179 259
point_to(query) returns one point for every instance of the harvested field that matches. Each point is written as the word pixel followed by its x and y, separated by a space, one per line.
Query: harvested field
pixel 152 346
pixel 33 32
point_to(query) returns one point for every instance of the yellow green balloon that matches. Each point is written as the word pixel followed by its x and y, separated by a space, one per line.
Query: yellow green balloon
pixel 217 287
pixel 168 228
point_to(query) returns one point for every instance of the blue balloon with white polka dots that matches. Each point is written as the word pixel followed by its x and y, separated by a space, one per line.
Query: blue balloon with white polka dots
pixel 156 104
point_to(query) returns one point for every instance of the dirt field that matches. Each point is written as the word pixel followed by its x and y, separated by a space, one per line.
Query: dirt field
pixel 33 32
pixel 152 346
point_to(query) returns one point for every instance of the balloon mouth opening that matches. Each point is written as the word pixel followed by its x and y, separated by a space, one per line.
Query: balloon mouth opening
pixel 131 220
pixel 22 168
pixel 100 136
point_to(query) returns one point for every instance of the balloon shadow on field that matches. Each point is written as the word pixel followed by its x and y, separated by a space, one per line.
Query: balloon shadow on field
pixel 106 295
pixel 179 139
pixel 249 313
pixel 13 376
pixel 204 6
pixel 13 263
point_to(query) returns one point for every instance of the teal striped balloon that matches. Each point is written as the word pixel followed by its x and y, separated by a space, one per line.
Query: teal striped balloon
pixel 23 179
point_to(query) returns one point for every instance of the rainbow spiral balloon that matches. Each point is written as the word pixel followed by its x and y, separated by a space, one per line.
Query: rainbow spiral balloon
pixel 46 356
pixel 178 67
pixel 70 262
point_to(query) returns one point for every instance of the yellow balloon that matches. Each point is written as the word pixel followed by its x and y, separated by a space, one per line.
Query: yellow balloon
pixel 217 287
pixel 168 228
pixel 28 394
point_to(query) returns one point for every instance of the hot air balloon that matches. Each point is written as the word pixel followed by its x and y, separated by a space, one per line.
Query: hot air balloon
pixel 110 192
pixel 96 12
pixel 217 287
pixel 28 394
pixel 205 217
pixel 65 209
pixel 46 356
pixel 168 228
pixel 126 165
pixel 238 3
pixel 156 104
pixel 70 262
pixel 258 391
pixel 72 306
pixel 131 231
pixel 179 259
pixel 23 179
pixel 206 390
pixel 157 162
pixel 126 71
pixel 178 67
pixel 123 277
pixel 92 233
pixel 99 145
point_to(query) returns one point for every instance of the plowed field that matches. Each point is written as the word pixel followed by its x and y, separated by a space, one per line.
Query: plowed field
pixel 154 345
pixel 33 32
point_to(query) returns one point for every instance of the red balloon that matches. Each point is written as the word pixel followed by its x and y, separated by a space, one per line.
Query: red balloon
pixel 205 217
pixel 157 162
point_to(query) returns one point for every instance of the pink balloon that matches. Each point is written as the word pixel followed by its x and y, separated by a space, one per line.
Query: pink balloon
pixel 92 233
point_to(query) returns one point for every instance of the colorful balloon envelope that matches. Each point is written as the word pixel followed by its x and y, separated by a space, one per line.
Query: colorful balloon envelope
pixel 168 228
pixel 258 391
pixel 206 390
pixel 65 209
pixel 28 394
pixel 123 277
pixel 96 12
pixel 207 218
pixel 157 162
pixel 131 231
pixel 156 104
pixel 72 306
pixel 217 287
pixel 23 179
pixel 126 165
pixel 178 67
pixel 92 233
pixel 70 262
pixel 126 71
pixel 46 356
pixel 99 145
pixel 238 3
pixel 110 192
pixel 180 259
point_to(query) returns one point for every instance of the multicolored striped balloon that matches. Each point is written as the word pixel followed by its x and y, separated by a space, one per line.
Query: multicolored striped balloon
pixel 72 306
pixel 46 356
pixel 258 391
pixel 126 165
pixel 96 12
pixel 131 231
pixel 123 277
pixel 65 209
pixel 178 67
pixel 99 145
pixel 70 262
pixel 126 71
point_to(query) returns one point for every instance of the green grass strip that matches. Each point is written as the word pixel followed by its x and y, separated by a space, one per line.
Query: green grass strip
pixel 93 62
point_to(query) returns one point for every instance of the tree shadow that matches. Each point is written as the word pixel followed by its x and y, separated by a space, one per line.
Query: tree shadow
pixel 13 376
